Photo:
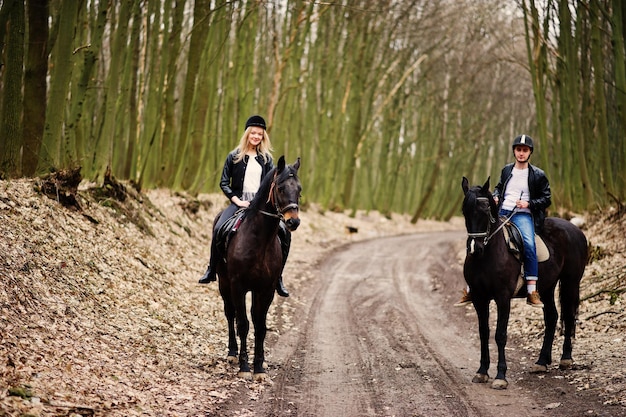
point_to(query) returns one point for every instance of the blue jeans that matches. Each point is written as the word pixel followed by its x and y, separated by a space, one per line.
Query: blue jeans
pixel 526 226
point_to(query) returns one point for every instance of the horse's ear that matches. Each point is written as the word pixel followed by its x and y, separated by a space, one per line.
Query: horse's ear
pixel 281 163
pixel 296 165
pixel 486 185
pixel 465 185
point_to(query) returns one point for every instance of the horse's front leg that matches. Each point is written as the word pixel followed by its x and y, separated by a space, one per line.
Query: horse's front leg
pixel 482 311
pixel 260 306
pixel 504 310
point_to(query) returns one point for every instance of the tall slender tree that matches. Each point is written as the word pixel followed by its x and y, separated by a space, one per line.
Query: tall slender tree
pixel 35 87
pixel 63 65
pixel 10 106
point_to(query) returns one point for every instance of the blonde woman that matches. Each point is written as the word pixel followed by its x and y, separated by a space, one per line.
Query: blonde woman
pixel 244 168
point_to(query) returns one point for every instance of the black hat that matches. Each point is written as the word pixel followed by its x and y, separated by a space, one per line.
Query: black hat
pixel 255 120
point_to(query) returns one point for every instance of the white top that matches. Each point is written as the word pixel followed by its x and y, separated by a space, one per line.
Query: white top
pixel 252 179
pixel 516 189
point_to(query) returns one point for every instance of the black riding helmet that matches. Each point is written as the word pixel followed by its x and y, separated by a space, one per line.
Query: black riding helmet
pixel 523 140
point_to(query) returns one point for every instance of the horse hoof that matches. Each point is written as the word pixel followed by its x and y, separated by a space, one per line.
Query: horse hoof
pixel 538 369
pixel 481 378
pixel 566 364
pixel 245 375
pixel 262 377
pixel 499 384
pixel 231 359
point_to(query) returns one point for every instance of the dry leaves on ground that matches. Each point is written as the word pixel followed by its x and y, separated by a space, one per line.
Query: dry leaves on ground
pixel 101 313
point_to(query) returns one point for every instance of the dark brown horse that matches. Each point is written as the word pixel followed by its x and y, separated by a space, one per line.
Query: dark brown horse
pixel 492 270
pixel 253 262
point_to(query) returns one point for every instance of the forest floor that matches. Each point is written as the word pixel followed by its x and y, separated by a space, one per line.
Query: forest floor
pixel 101 312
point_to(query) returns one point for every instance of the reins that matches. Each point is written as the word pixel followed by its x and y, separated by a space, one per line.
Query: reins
pixel 487 235
pixel 504 222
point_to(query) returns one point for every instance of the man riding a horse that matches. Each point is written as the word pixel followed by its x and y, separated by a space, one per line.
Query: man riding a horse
pixel 522 195
pixel 492 267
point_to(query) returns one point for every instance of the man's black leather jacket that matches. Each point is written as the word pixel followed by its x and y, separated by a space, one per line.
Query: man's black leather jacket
pixel 539 187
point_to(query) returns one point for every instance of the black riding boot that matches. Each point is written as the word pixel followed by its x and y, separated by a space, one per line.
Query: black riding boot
pixel 285 243
pixel 209 275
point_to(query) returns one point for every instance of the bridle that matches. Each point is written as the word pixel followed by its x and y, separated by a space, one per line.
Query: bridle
pixel 272 199
pixel 487 235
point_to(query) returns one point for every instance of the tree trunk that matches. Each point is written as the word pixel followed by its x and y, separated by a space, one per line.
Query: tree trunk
pixel 600 117
pixel 189 137
pixel 114 117
pixel 619 58
pixel 50 154
pixel 11 107
pixel 125 152
pixel 82 82
pixel 36 70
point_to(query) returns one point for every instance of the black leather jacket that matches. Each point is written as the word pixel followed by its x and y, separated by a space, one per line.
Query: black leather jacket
pixel 233 173
pixel 539 187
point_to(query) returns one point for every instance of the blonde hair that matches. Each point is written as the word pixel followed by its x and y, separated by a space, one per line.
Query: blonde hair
pixel 264 148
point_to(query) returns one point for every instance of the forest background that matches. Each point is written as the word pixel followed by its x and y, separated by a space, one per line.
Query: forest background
pixel 389 103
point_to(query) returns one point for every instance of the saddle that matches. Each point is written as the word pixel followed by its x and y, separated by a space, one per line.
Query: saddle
pixel 515 243
pixel 223 235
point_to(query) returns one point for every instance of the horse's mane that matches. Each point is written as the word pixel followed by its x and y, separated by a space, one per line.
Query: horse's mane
pixel 262 195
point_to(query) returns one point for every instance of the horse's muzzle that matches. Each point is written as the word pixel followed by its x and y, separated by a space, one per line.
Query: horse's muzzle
pixel 292 223
pixel 474 247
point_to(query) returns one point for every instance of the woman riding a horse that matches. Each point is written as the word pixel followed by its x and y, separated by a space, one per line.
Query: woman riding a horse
pixel 244 169
pixel 253 262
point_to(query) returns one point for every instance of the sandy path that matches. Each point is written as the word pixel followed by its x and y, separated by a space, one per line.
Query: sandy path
pixel 374 340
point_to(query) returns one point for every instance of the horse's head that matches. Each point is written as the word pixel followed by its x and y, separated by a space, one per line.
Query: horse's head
pixel 481 213
pixel 286 191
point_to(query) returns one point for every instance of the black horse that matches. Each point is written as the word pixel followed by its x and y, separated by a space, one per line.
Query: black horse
pixel 492 270
pixel 254 260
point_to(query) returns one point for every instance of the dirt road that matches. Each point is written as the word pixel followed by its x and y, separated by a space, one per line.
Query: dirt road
pixel 376 338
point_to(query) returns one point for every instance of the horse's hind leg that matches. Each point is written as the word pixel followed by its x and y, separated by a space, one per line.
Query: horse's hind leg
pixel 260 306
pixel 229 312
pixel 570 298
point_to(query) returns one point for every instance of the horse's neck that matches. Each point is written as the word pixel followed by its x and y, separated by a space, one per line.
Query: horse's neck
pixel 499 242
pixel 264 225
